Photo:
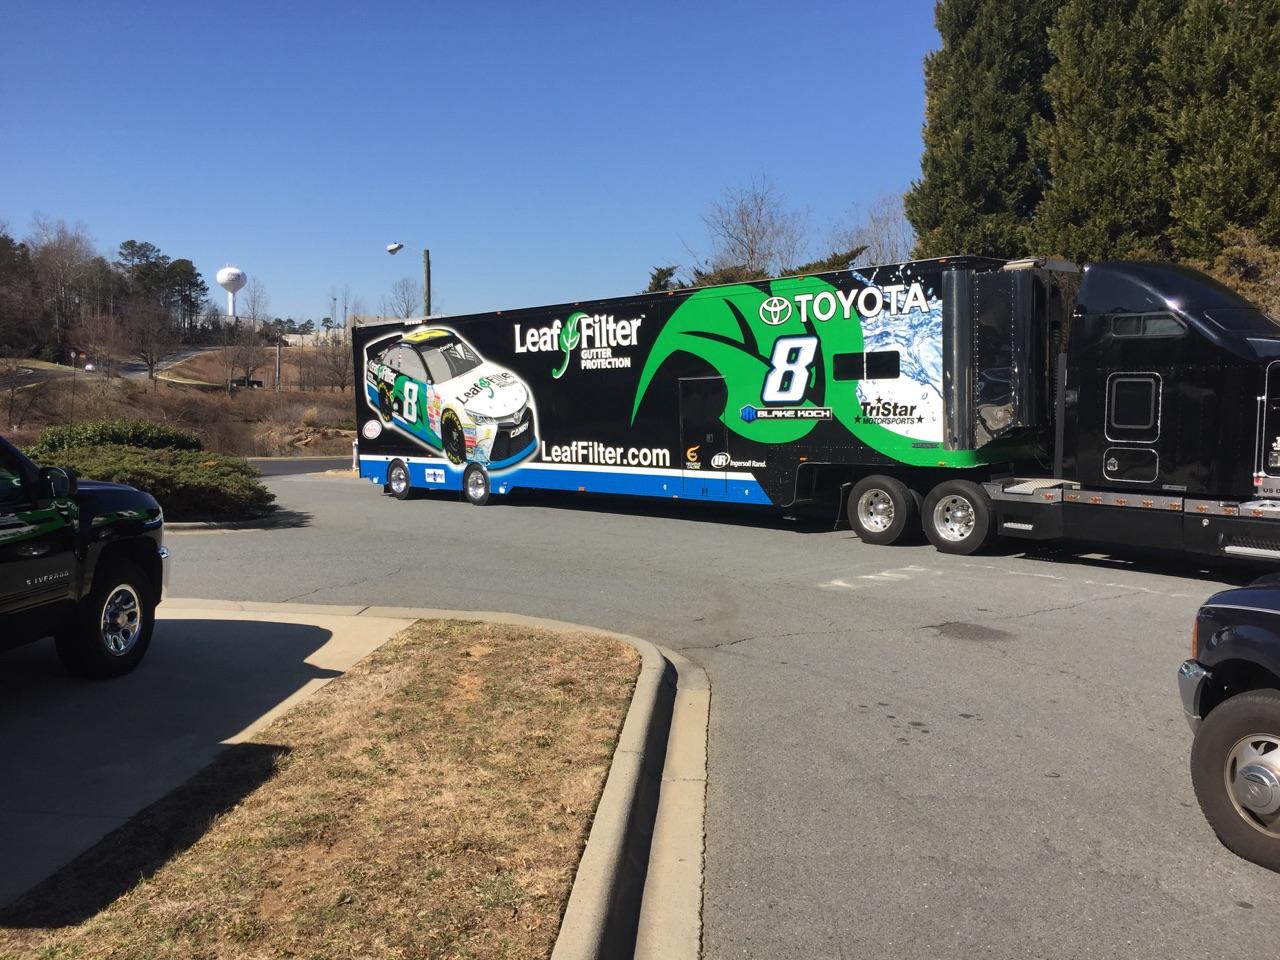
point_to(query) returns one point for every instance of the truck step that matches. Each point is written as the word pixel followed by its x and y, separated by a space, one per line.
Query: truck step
pixel 1028 487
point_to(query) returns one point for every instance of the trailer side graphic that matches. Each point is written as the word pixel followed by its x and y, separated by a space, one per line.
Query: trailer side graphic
pixel 970 395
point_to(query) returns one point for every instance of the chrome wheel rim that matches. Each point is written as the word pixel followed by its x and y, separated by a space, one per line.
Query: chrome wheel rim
pixel 1252 776
pixel 475 485
pixel 399 479
pixel 875 511
pixel 121 620
pixel 953 517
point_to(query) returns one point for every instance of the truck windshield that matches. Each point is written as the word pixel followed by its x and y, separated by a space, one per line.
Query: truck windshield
pixel 1249 322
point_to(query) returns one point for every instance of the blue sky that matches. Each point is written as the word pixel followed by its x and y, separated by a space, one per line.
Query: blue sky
pixel 543 151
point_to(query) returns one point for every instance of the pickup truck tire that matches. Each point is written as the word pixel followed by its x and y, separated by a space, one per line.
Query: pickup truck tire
pixel 882 510
pixel 1238 733
pixel 957 517
pixel 112 629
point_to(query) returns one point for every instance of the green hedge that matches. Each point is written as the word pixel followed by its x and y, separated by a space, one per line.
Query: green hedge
pixel 189 484
pixel 129 433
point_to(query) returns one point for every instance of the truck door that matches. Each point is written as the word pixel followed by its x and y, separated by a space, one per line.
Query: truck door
pixel 37 542
pixel 703 438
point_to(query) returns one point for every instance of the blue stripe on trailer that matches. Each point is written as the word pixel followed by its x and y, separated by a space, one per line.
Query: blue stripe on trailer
pixel 436 474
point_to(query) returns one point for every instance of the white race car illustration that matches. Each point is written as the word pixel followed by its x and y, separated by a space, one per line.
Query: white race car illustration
pixel 432 385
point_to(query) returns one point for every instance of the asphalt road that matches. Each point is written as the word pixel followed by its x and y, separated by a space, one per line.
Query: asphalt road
pixel 911 755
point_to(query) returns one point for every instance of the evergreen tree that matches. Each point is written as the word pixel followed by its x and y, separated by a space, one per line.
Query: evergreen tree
pixel 1220 98
pixel 980 178
pixel 1108 154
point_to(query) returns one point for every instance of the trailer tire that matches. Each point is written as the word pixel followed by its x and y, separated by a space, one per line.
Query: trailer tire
pixel 451 435
pixel 882 510
pixel 1238 733
pixel 475 485
pixel 398 484
pixel 958 517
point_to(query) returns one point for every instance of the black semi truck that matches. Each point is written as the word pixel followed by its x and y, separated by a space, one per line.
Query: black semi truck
pixel 1130 403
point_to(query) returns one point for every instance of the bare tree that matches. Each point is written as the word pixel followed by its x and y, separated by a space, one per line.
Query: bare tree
pixel 253 303
pixel 151 333
pixel 883 230
pixel 103 337
pixel 23 391
pixel 753 231
pixel 405 299
pixel 337 366
pixel 63 257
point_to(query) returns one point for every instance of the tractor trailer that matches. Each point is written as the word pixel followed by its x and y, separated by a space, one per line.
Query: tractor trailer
pixel 1122 403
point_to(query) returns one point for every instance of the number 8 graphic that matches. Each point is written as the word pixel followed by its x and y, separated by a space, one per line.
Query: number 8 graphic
pixel 789 369
pixel 410 411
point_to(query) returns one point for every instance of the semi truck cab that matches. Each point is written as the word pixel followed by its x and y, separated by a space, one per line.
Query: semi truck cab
pixel 1163 397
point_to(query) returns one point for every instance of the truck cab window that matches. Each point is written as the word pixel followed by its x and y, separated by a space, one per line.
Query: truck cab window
pixel 1133 407
pixel 1146 325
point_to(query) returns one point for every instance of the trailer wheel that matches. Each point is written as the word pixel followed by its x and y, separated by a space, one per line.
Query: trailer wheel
pixel 957 517
pixel 455 444
pixel 475 485
pixel 1235 769
pixel 881 509
pixel 398 480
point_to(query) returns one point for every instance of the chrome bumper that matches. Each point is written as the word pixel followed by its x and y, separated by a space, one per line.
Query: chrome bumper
pixel 164 571
pixel 1191 682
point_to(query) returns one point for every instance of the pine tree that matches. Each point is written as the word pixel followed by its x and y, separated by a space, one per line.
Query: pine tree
pixel 980 179
pixel 1107 152
pixel 1220 98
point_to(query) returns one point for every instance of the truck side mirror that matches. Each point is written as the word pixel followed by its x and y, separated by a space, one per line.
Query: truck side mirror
pixel 59 482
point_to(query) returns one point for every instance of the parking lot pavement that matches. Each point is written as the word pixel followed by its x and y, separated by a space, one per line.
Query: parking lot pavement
pixel 910 754
pixel 77 759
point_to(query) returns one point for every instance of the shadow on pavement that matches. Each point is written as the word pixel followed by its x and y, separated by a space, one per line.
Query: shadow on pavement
pixel 135 851
pixel 78 759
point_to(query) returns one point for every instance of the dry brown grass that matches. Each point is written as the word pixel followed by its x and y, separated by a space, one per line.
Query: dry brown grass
pixel 249 423
pixel 433 802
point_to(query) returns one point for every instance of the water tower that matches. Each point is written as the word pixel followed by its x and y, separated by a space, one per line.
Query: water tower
pixel 231 279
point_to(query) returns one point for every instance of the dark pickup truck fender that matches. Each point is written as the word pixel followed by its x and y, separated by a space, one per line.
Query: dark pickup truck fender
pixel 1238 633
pixel 118 521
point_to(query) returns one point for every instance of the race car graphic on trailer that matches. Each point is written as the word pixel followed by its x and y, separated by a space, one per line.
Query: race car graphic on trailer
pixel 432 385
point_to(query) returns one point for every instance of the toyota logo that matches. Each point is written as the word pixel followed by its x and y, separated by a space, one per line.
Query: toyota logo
pixel 775 310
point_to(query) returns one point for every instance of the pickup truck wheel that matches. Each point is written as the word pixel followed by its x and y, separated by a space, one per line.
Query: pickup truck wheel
pixel 957 517
pixel 112 630
pixel 1235 769
pixel 398 480
pixel 881 510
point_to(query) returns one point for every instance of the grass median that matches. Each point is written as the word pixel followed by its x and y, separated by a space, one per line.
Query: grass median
pixel 432 802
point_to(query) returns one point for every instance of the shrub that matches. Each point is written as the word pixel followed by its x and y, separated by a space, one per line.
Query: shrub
pixel 129 433
pixel 189 484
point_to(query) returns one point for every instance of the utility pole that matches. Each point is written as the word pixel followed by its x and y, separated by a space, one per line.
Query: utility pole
pixel 279 341
pixel 426 283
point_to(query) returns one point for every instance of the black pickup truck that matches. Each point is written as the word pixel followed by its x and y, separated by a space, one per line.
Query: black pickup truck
pixel 1231 695
pixel 81 562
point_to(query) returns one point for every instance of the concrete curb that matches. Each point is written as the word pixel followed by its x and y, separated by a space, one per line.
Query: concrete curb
pixel 670 926
pixel 638 886
pixel 263 523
